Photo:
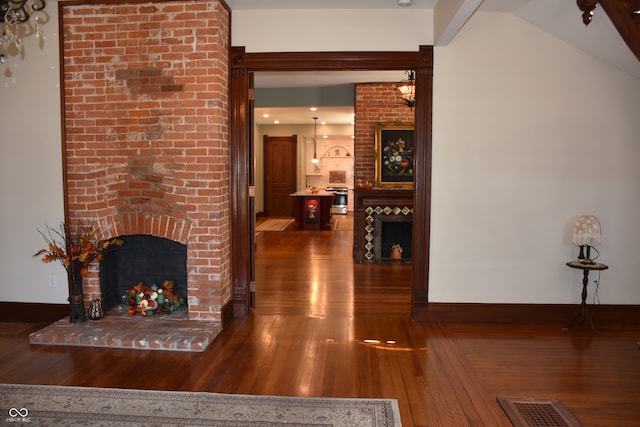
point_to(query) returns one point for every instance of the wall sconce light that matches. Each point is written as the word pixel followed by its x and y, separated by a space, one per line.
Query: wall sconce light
pixel 315 159
pixel 586 234
pixel 407 89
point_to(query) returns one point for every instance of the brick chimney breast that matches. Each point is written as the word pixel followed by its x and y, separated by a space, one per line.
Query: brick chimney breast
pixel 147 132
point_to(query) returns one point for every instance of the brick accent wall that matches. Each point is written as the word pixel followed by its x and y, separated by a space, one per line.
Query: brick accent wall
pixel 147 132
pixel 375 102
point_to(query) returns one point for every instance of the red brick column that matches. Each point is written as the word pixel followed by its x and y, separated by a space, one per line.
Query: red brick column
pixel 146 131
pixel 375 102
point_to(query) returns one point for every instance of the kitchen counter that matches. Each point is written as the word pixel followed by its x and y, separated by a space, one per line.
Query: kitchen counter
pixel 313 211
pixel 309 193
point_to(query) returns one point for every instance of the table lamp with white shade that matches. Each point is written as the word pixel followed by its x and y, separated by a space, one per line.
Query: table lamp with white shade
pixel 586 234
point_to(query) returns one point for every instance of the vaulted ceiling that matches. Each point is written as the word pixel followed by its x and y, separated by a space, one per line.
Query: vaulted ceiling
pixel 613 36
pixel 625 15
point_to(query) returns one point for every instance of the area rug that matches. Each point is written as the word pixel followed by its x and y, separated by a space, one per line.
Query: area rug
pixel 530 412
pixel 87 406
pixel 274 224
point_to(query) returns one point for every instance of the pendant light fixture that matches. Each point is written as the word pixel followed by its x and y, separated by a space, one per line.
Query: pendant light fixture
pixel 315 159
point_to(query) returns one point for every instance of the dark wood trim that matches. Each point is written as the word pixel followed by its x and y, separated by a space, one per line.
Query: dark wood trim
pixel 227 314
pixel 422 183
pixel 621 14
pixel 32 312
pixel 327 61
pixel 239 150
pixel 48 313
pixel 529 313
pixel 243 64
pixel 63 114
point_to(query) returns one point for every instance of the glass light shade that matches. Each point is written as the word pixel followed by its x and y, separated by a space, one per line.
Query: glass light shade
pixel 408 92
pixel 586 231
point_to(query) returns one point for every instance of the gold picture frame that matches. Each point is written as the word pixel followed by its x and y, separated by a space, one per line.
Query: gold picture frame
pixel 394 145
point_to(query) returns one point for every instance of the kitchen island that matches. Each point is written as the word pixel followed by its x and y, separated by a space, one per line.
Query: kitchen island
pixel 312 210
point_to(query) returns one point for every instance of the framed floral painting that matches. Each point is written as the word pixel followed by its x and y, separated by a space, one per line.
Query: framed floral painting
pixel 394 155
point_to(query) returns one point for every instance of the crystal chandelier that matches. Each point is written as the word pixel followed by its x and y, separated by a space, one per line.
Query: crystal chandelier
pixel 12 14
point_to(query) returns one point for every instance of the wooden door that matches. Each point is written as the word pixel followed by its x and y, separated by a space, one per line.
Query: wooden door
pixel 279 174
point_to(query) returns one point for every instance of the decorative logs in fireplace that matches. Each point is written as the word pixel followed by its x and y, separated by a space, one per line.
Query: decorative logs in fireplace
pixel 382 218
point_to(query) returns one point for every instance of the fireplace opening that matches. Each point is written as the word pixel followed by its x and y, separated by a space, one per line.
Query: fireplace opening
pixel 142 258
pixel 390 230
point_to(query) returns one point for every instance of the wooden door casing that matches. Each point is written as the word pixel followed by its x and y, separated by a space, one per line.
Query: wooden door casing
pixel 243 64
pixel 279 174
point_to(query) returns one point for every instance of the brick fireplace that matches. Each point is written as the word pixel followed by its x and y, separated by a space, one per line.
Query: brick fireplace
pixel 146 132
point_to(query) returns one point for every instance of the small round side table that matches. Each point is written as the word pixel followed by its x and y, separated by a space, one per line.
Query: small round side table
pixel 583 310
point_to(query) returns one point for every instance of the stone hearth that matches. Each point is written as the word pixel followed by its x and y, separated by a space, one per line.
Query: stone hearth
pixel 174 332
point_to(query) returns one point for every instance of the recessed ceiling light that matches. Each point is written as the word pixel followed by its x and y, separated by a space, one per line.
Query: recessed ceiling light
pixel 277 122
pixel 323 123
pixel 313 109
pixel 265 116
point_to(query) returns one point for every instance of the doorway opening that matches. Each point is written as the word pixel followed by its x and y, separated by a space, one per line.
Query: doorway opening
pixel 335 148
pixel 243 67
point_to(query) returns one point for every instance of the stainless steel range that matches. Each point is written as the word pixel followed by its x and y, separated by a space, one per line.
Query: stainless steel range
pixel 340 199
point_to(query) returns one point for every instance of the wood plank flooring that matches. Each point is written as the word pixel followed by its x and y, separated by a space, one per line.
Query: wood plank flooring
pixel 324 326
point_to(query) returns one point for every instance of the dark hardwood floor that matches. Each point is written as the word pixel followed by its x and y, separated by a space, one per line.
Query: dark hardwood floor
pixel 324 326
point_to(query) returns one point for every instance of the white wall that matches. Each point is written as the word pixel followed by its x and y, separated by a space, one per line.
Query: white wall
pixel 30 168
pixel 523 144
pixel 327 30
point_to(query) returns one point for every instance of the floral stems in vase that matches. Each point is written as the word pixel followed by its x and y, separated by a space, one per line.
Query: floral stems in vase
pixel 75 248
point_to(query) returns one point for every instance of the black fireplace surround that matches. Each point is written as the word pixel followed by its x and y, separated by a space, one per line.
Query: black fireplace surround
pixel 142 258
pixel 390 231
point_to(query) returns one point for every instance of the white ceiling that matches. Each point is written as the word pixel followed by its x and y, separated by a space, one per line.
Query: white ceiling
pixel 561 18
pixel 302 115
